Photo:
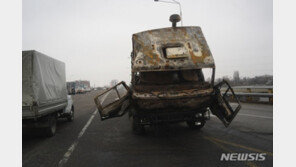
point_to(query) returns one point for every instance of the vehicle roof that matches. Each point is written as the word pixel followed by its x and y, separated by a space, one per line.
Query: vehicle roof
pixel 148 48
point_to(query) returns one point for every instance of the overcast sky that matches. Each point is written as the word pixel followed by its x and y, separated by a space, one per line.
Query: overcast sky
pixel 93 37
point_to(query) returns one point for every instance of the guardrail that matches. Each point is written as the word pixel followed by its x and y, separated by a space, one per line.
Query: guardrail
pixel 252 94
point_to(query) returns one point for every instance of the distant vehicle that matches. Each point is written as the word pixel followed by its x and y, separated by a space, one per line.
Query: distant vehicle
pixel 82 86
pixel 168 83
pixel 44 92
pixel 71 88
pixel 87 89
pixel 79 89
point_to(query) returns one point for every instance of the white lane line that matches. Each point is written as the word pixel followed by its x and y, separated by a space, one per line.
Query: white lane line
pixel 72 147
pixel 258 116
pixel 250 115
pixel 104 97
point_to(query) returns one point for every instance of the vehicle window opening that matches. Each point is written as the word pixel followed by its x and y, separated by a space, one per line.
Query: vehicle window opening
pixel 170 77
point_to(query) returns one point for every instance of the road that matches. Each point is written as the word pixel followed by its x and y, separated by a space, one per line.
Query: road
pixel 88 141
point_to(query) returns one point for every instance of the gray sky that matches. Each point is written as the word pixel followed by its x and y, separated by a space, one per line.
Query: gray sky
pixel 93 37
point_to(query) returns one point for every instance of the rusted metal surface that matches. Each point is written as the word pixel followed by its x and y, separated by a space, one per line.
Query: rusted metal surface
pixel 173 105
pixel 163 99
pixel 221 106
pixel 171 89
pixel 173 94
pixel 167 77
pixel 175 48
pixel 115 103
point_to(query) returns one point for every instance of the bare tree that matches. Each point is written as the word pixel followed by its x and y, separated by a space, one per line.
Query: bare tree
pixel 247 81
pixel 113 82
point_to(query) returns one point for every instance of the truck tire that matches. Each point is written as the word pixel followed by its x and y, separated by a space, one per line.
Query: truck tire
pixel 70 117
pixel 138 129
pixel 198 124
pixel 51 129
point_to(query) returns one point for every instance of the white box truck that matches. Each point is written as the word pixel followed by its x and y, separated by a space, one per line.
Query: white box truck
pixel 44 92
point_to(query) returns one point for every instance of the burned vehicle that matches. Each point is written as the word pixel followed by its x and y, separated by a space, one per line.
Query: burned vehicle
pixel 168 83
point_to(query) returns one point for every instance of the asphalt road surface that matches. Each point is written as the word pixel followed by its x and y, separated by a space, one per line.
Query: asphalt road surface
pixel 88 141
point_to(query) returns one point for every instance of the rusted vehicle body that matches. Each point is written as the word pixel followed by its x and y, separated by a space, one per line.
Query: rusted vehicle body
pixel 168 84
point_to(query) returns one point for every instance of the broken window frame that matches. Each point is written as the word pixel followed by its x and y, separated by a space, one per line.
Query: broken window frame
pixel 121 100
pixel 135 78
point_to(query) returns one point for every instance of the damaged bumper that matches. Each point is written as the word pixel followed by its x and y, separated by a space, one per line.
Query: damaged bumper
pixel 183 100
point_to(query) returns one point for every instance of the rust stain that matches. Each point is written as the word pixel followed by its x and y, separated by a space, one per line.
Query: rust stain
pixel 152 44
pixel 197 59
pixel 150 57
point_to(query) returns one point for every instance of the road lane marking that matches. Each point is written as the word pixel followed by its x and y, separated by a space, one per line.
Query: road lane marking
pixel 250 164
pixel 258 116
pixel 72 147
pixel 251 115
pixel 104 97
pixel 238 145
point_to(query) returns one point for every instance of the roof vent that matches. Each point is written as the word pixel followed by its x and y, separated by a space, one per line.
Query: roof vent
pixel 174 18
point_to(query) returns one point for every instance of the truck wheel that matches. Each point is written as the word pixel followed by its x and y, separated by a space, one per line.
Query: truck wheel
pixel 138 129
pixel 51 129
pixel 198 124
pixel 70 117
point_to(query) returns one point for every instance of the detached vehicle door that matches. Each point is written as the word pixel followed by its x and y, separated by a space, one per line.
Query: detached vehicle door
pixel 220 105
pixel 113 102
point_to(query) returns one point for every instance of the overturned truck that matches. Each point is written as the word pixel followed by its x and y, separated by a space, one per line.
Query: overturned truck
pixel 168 83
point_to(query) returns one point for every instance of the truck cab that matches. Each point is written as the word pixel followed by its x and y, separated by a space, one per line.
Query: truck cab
pixel 168 83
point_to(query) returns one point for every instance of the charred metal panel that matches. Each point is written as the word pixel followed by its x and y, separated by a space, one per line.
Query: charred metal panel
pixel 181 104
pixel 173 94
pixel 173 48
pixel 177 97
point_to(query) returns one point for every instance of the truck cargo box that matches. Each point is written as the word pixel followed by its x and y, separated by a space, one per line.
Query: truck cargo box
pixel 43 84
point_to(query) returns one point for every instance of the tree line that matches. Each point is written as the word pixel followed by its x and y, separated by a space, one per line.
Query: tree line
pixel 247 81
